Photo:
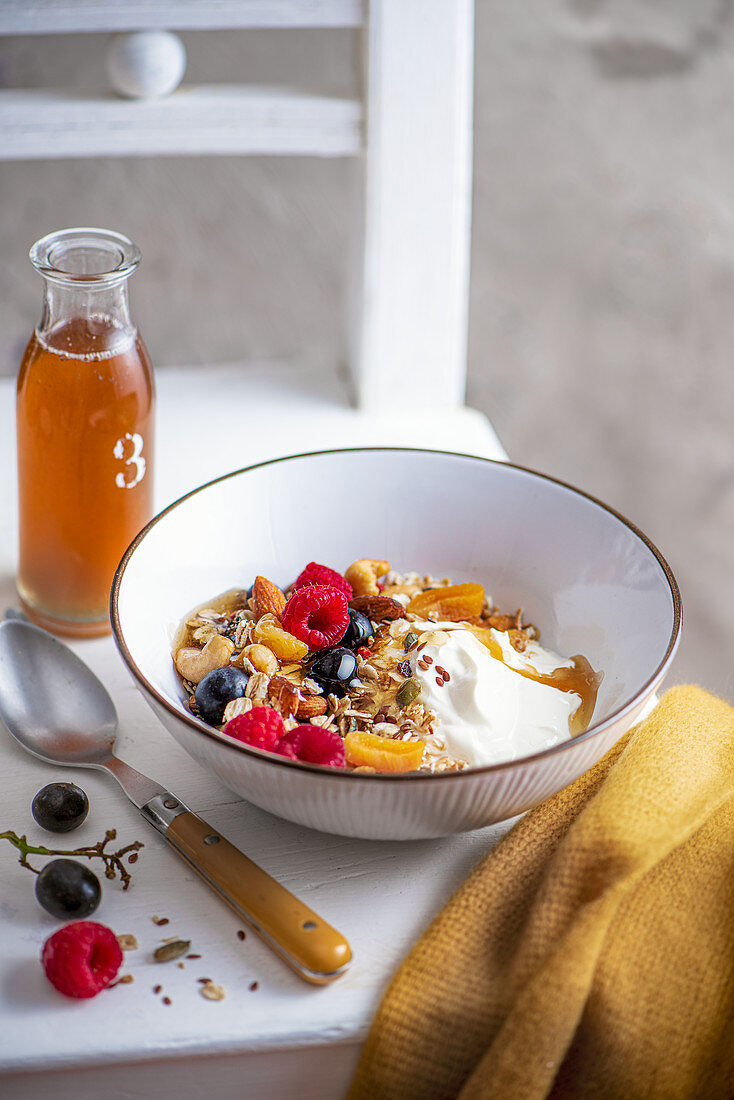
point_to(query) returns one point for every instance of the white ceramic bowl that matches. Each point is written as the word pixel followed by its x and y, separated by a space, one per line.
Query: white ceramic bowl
pixel 590 580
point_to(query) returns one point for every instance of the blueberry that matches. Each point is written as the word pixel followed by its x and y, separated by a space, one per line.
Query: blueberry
pixel 68 890
pixel 360 630
pixel 60 807
pixel 334 669
pixel 217 689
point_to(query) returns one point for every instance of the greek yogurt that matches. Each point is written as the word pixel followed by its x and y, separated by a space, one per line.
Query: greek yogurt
pixel 486 711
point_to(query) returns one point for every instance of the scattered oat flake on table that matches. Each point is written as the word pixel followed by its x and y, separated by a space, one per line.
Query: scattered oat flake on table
pixel 127 942
pixel 213 992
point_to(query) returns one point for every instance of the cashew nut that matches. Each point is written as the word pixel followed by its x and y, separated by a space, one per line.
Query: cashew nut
pixel 262 658
pixel 195 664
pixel 363 574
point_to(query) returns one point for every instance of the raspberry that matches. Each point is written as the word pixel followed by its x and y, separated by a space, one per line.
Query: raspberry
pixel 261 727
pixel 364 651
pixel 321 574
pixel 315 745
pixel 283 748
pixel 317 614
pixel 82 958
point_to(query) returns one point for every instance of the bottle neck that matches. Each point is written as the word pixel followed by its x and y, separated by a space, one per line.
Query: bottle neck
pixel 79 320
pixel 85 306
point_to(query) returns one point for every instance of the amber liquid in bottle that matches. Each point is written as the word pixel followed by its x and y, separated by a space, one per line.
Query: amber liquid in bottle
pixel 85 453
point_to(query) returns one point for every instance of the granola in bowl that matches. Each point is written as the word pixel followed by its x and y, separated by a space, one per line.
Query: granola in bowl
pixel 377 671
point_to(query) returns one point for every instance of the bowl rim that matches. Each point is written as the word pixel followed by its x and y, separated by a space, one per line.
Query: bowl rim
pixel 337 773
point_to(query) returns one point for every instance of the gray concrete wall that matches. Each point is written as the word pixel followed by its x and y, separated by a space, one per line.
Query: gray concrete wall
pixel 602 307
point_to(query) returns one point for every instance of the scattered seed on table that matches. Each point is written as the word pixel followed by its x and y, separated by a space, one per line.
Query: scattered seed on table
pixel 167 1001
pixel 204 981
pixel 160 920
pixel 157 989
pixel 173 950
pixel 193 956
pixel 254 986
pixel 180 966
pixel 241 934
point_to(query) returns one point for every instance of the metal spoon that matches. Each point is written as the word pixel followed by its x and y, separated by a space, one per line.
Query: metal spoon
pixel 57 709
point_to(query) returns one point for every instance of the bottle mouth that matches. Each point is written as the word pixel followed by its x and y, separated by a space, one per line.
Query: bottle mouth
pixel 93 257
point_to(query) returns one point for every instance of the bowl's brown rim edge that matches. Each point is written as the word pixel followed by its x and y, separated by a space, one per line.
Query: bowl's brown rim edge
pixel 280 762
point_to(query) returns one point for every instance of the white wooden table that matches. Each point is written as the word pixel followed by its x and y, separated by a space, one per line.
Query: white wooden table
pixel 284 1039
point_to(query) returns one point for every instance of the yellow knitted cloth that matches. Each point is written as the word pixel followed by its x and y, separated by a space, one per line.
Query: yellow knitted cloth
pixel 591 953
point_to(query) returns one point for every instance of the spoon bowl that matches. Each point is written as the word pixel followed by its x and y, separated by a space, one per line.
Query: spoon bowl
pixel 51 701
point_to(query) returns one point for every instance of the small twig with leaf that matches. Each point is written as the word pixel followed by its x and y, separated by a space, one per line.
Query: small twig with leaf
pixel 112 860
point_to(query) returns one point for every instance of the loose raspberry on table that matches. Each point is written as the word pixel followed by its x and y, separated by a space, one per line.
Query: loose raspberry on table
pixel 321 574
pixel 82 958
pixel 261 727
pixel 315 745
pixel 317 614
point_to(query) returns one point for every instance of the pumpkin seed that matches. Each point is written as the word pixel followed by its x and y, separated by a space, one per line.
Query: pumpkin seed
pixel 410 640
pixel 174 950
pixel 407 693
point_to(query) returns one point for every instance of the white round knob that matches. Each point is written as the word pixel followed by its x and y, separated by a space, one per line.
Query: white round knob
pixel 146 64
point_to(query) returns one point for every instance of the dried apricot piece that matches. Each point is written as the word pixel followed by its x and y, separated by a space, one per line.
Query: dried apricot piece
pixel 268 631
pixel 455 603
pixel 381 753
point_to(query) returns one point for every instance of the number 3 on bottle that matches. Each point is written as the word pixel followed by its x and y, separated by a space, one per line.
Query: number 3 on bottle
pixel 134 460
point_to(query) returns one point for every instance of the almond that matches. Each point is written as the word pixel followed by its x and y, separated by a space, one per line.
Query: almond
pixel 378 608
pixel 267 598
pixel 283 695
pixel 311 706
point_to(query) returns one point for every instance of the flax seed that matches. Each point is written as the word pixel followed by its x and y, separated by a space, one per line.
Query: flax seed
pixel 428 659
pixel 167 1001
pixel 157 989
pixel 254 986
pixel 241 934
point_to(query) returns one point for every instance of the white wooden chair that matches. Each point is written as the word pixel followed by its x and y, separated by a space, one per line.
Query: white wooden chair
pixel 410 137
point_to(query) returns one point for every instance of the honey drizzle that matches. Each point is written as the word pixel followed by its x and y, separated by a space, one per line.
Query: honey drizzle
pixel 580 678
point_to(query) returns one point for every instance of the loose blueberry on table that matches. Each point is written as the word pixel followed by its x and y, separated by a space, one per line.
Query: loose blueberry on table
pixel 60 807
pixel 68 890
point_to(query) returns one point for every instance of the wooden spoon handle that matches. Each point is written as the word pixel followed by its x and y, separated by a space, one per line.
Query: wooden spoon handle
pixel 315 950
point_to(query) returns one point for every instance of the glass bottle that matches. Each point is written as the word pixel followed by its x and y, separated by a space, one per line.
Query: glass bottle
pixel 85 402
